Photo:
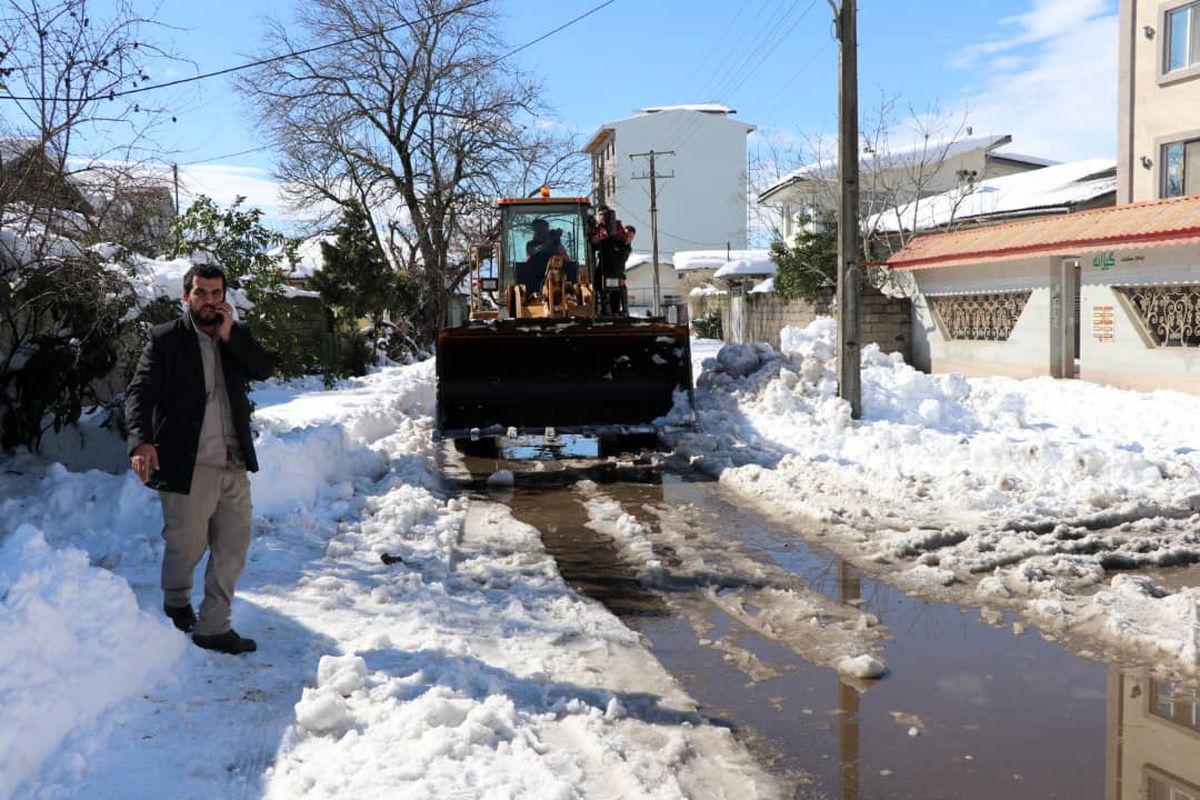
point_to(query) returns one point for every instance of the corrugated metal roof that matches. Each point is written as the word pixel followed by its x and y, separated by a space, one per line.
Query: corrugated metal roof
pixel 1151 223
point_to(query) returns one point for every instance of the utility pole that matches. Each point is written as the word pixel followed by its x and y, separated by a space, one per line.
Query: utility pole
pixel 653 176
pixel 175 173
pixel 849 353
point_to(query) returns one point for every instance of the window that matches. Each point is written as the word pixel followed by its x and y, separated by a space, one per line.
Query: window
pixel 1183 38
pixel 1181 168
pixel 979 317
pixel 1175 702
pixel 1170 315
pixel 1163 787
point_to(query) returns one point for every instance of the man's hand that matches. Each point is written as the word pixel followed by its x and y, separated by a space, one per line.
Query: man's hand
pixel 144 459
pixel 226 324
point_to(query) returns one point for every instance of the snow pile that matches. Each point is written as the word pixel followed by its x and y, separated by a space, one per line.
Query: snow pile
pixel 861 667
pixel 942 447
pixel 410 644
pixel 73 642
pixel 1041 486
pixel 312 447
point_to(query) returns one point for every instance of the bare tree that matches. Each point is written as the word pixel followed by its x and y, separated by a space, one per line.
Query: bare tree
pixel 900 179
pixel 905 160
pixel 410 109
pixel 64 107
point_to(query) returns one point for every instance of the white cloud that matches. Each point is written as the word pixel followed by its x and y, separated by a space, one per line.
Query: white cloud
pixel 1048 19
pixel 225 182
pixel 1052 83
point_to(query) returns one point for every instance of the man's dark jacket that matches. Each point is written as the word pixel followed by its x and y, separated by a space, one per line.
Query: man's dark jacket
pixel 164 404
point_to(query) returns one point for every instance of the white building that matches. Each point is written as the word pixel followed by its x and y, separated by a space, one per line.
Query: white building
pixel 894 177
pixel 703 202
pixel 1109 295
pixel 639 281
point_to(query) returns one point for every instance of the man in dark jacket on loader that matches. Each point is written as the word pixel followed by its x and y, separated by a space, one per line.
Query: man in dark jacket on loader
pixel 189 438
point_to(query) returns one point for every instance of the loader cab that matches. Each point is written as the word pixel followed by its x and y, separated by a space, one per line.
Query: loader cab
pixel 534 229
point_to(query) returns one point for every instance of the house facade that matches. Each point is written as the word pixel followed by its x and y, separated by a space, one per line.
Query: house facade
pixel 1153 725
pixel 701 168
pixel 1158 135
pixel 639 282
pixel 894 179
pixel 1110 295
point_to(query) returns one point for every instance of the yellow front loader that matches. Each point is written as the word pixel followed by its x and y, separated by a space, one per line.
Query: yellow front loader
pixel 535 354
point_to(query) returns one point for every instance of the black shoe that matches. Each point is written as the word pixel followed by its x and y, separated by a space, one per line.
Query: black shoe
pixel 227 642
pixel 183 617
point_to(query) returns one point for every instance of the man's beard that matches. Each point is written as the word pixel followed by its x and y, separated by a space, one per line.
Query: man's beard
pixel 205 315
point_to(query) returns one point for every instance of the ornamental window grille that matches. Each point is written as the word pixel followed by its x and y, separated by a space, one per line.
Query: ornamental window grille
pixel 980 317
pixel 1175 702
pixel 1169 314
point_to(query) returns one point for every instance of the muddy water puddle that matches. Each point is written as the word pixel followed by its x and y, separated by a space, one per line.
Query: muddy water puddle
pixel 969 708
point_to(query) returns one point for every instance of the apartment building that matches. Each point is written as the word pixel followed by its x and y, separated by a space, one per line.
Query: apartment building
pixel 703 150
pixel 1158 139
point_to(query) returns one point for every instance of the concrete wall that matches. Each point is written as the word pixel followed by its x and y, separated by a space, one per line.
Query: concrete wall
pixel 704 204
pixel 1114 346
pixel 1154 108
pixel 886 321
pixel 1130 359
pixel 1026 353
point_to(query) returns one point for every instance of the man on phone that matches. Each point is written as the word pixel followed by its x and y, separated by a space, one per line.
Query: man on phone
pixel 189 437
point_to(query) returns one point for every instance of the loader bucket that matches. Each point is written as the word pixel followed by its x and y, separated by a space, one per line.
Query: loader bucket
pixel 578 375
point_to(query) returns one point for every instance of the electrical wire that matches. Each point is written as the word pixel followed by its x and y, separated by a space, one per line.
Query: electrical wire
pixel 764 44
pixel 222 158
pixel 283 57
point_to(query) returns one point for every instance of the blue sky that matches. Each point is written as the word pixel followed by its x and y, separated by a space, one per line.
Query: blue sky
pixel 1041 70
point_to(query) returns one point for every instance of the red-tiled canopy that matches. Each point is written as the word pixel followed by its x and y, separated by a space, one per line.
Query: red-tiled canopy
pixel 1148 224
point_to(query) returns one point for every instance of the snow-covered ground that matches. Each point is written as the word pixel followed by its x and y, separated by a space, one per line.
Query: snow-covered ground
pixel 410 645
pixel 1028 494
pixel 415 645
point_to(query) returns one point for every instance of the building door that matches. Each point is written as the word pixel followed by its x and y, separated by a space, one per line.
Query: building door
pixel 1064 319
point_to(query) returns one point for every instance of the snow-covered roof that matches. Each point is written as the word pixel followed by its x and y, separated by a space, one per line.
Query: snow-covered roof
pixel 706 290
pixel 705 108
pixel 894 157
pixel 638 259
pixel 1061 185
pixel 309 258
pixel 13 147
pixel 747 267
pixel 715 110
pixel 1036 161
pixel 764 287
pixel 687 260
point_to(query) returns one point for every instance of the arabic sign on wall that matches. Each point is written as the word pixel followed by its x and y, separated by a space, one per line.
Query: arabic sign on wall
pixel 1104 261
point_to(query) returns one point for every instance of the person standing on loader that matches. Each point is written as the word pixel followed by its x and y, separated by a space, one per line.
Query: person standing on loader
pixel 611 243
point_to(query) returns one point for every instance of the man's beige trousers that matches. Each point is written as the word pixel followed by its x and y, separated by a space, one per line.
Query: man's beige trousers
pixel 214 515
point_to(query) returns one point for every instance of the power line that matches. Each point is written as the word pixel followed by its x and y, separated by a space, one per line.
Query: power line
pixel 745 68
pixel 290 54
pixel 222 158
pixel 560 28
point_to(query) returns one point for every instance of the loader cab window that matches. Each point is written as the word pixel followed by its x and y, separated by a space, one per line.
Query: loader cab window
pixel 532 234
pixel 562 225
